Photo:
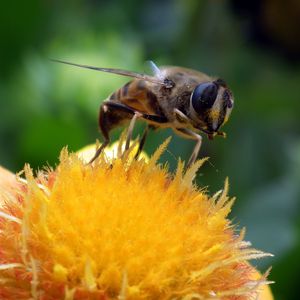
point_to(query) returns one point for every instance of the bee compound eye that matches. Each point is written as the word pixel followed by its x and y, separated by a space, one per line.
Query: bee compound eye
pixel 204 96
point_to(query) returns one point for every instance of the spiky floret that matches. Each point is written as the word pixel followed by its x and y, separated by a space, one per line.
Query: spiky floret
pixel 121 229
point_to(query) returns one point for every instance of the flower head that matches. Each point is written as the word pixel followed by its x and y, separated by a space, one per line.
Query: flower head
pixel 121 229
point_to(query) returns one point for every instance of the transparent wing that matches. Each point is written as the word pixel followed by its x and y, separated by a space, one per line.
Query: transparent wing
pixel 154 70
pixel 157 78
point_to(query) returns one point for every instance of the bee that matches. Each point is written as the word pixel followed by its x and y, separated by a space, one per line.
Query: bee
pixel 188 101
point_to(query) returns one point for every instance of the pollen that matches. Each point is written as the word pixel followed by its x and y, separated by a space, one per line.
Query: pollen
pixel 122 229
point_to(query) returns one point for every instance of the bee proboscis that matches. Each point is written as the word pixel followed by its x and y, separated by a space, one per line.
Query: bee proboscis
pixel 183 99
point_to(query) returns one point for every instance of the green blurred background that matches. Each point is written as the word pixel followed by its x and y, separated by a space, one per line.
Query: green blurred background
pixel 253 45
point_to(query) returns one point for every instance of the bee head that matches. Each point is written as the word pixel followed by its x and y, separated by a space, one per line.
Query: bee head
pixel 211 104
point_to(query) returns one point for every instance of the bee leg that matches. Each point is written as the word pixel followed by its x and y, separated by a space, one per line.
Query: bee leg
pixel 122 107
pixel 130 129
pixel 221 133
pixel 142 142
pixel 104 129
pixel 99 150
pixel 115 106
pixel 194 136
pixel 181 117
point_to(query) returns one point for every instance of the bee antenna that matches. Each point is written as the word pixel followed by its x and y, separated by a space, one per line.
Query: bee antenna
pixel 153 79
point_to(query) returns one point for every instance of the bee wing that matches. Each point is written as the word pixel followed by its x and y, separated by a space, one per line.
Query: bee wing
pixel 155 70
pixel 155 79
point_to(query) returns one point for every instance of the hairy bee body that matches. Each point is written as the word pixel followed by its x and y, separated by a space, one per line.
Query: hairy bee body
pixel 185 100
pixel 139 95
pixel 150 98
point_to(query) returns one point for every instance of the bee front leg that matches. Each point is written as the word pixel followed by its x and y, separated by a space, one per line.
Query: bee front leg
pixel 194 136
pixel 181 117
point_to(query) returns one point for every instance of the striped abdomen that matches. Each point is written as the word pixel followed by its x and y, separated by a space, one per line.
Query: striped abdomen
pixel 137 95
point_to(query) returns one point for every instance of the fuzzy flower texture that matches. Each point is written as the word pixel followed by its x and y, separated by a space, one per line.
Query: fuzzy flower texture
pixel 122 229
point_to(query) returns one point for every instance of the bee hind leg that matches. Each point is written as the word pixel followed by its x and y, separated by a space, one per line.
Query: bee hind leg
pixel 194 136
pixel 106 124
pixel 142 142
pixel 104 128
pixel 130 129
pixel 99 150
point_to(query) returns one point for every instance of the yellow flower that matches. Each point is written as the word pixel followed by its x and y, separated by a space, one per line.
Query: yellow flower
pixel 115 150
pixel 121 229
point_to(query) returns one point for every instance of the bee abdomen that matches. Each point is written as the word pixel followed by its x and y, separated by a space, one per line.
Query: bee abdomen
pixel 121 93
pixel 136 94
